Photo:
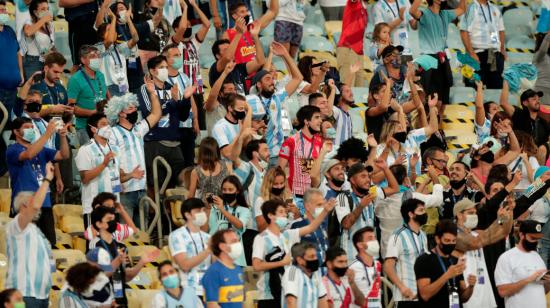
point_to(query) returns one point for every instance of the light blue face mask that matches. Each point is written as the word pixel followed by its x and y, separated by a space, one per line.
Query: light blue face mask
pixel 171 282
pixel 29 135
pixel 178 63
pixel 281 222
pixel 4 18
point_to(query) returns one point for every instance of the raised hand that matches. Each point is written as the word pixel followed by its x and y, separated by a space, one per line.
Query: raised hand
pixel 432 102
pixel 137 173
pixel 330 204
pixel 279 49
pixel 49 171
pixel 149 84
pixel 175 91
pixel 240 25
pixel 107 159
pixel 255 28
pixel 381 164
pixel 229 67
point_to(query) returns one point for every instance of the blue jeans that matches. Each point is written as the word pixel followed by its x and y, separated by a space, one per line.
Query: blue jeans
pixel 31 65
pixel 130 201
pixel 8 98
pixel 35 302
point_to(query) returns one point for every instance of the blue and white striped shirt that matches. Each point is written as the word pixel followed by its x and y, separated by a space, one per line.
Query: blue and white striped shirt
pixel 343 125
pixel 40 126
pixel 32 277
pixel 307 290
pixel 483 23
pixel 130 145
pixel 253 191
pixel 225 132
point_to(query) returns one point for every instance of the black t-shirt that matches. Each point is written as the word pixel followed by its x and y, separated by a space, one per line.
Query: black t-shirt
pixel 537 128
pixel 449 200
pixel 374 124
pixel 428 266
pixel 237 76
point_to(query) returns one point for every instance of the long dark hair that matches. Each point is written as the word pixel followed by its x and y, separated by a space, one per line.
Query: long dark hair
pixel 33 6
pixel 241 200
pixel 209 153
pixel 304 65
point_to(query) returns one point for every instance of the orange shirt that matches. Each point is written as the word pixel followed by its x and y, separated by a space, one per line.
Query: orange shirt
pixel 246 49
pixel 354 24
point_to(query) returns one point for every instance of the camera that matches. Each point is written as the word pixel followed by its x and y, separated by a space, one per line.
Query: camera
pixel 210 198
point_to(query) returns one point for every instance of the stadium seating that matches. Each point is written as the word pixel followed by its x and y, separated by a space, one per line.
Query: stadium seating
pixel 3 270
pixel 141 298
pixel 312 30
pixel 518 21
pixel 360 94
pixel 5 200
pixel 65 258
pixel 250 299
pixel 317 43
pixel 461 95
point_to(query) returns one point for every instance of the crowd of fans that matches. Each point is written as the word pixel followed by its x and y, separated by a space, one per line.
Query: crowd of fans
pixel 274 178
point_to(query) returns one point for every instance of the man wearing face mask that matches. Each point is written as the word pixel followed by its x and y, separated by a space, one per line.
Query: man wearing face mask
pixel 393 69
pixel 520 275
pixel 127 135
pixel 233 126
pixel 271 249
pixel 189 244
pixel 87 286
pixel 458 190
pixel 340 283
pixel 439 275
pixel 110 255
pixel 366 267
pixel 465 213
pixel 24 239
pixel 356 209
pixel 165 139
pixel 174 294
pixel 223 282
pixel 99 164
pixel 86 88
pixel 217 98
pixel 27 159
pixel 302 286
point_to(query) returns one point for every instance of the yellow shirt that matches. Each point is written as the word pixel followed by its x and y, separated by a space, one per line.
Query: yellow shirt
pixel 433 213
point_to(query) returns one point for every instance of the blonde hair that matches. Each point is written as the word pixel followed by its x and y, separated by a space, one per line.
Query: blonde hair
pixel 388 129
pixel 267 183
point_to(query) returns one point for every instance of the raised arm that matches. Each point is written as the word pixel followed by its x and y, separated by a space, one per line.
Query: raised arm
pixel 504 102
pixel 110 36
pixel 133 31
pixel 259 60
pixel 480 111
pixel 270 14
pixel 328 207
pixel 205 23
pixel 100 17
pixel 229 54
pixel 316 166
pixel 434 124
pixel 515 148
pixel 34 148
pixel 212 100
pixel 26 217
pixel 540 54
pixel 182 27
pixel 461 8
pixel 292 85
pixel 414 10
pixel 384 104
pixel 73 3
pixel 30 30
pixel 317 78
pixel 156 111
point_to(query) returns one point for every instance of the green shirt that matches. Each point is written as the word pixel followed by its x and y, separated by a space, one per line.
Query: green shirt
pixel 87 92
pixel 432 30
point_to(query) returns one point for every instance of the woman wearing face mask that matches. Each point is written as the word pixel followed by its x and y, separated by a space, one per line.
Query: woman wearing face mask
pixel 230 211
pixel 499 127
pixel 174 295
pixel 274 186
pixel 208 175
pixel 87 286
pixel 11 298
pixel 39 37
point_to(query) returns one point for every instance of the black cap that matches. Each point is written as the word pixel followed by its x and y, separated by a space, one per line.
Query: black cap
pixel 258 76
pixel 357 168
pixel 530 226
pixel 527 94
pixel 389 49
pixel 17 123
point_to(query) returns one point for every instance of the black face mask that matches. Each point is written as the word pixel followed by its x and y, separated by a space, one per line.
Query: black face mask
pixel 101 295
pixel 277 191
pixel 111 226
pixel 267 93
pixel 132 117
pixel 239 115
pixel 400 136
pixel 421 219
pixel 229 198
pixel 456 184
pixel 312 265
pixel 188 32
pixel 337 182
pixel 362 191
pixel 33 107
pixel 487 157
pixel 340 271
pixel 446 249
pixel 312 130
pixel 528 245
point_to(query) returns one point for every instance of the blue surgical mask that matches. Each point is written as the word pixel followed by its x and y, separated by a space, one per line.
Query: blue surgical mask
pixel 29 135
pixel 95 63
pixel 4 19
pixel 178 63
pixel 282 222
pixel 171 282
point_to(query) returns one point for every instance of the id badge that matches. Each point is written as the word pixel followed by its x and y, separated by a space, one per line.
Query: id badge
pixel 132 63
pixel 117 286
pixel 494 37
pixel 53 268
pixel 480 277
pixel 454 301
pixel 403 35
pixel 123 88
pixel 115 184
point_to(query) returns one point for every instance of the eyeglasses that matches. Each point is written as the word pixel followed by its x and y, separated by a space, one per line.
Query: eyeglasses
pixel 440 160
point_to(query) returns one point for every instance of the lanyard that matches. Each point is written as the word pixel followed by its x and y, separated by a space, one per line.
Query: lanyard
pixel 366 267
pixel 483 12
pixel 194 244
pixel 444 268
pixel 119 63
pixel 304 145
pixel 101 150
pixel 164 96
pixel 337 289
pixel 389 6
pixel 90 83
pixel 460 197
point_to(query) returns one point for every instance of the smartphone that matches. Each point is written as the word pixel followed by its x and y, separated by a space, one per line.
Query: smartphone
pixel 58 122
pixel 210 198
pixel 247 19
pixel 38 77
pixel 539 278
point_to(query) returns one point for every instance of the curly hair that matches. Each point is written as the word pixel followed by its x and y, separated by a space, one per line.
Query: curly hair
pixel 117 104
pixel 80 276
pixel 352 148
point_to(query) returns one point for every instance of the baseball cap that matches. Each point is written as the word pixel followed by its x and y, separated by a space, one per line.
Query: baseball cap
pixel 389 49
pixel 462 205
pixel 329 164
pixel 258 76
pixel 527 94
pixel 530 226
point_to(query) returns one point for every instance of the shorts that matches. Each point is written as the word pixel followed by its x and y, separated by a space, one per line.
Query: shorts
pixel 438 80
pixel 288 32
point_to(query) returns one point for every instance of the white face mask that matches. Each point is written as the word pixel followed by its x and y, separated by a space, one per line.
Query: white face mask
pixel 373 248
pixel 95 63
pixel 317 212
pixel 236 250
pixel 263 164
pixel 104 132
pixel 200 219
pixel 162 74
pixel 471 221
pixel 122 16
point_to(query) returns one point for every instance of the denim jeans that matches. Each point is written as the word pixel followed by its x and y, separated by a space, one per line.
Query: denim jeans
pixel 35 302
pixel 130 201
pixel 31 65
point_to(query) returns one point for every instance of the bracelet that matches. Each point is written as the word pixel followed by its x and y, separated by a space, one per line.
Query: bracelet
pixel 47 180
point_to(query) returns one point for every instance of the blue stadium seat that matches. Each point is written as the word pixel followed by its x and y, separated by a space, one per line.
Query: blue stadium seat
pixel 519 57
pixel 360 94
pixel 518 21
pixel 317 43
pixel 314 16
pixel 62 46
pixel 269 30
pixel 520 41
pixel 313 30
pixel 461 95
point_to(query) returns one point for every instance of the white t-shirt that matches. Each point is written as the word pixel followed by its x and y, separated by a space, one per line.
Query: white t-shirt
pixel 291 11
pixel 540 210
pixel 113 65
pixel 515 265
pixel 524 183
pixel 483 292
pixel 332 3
